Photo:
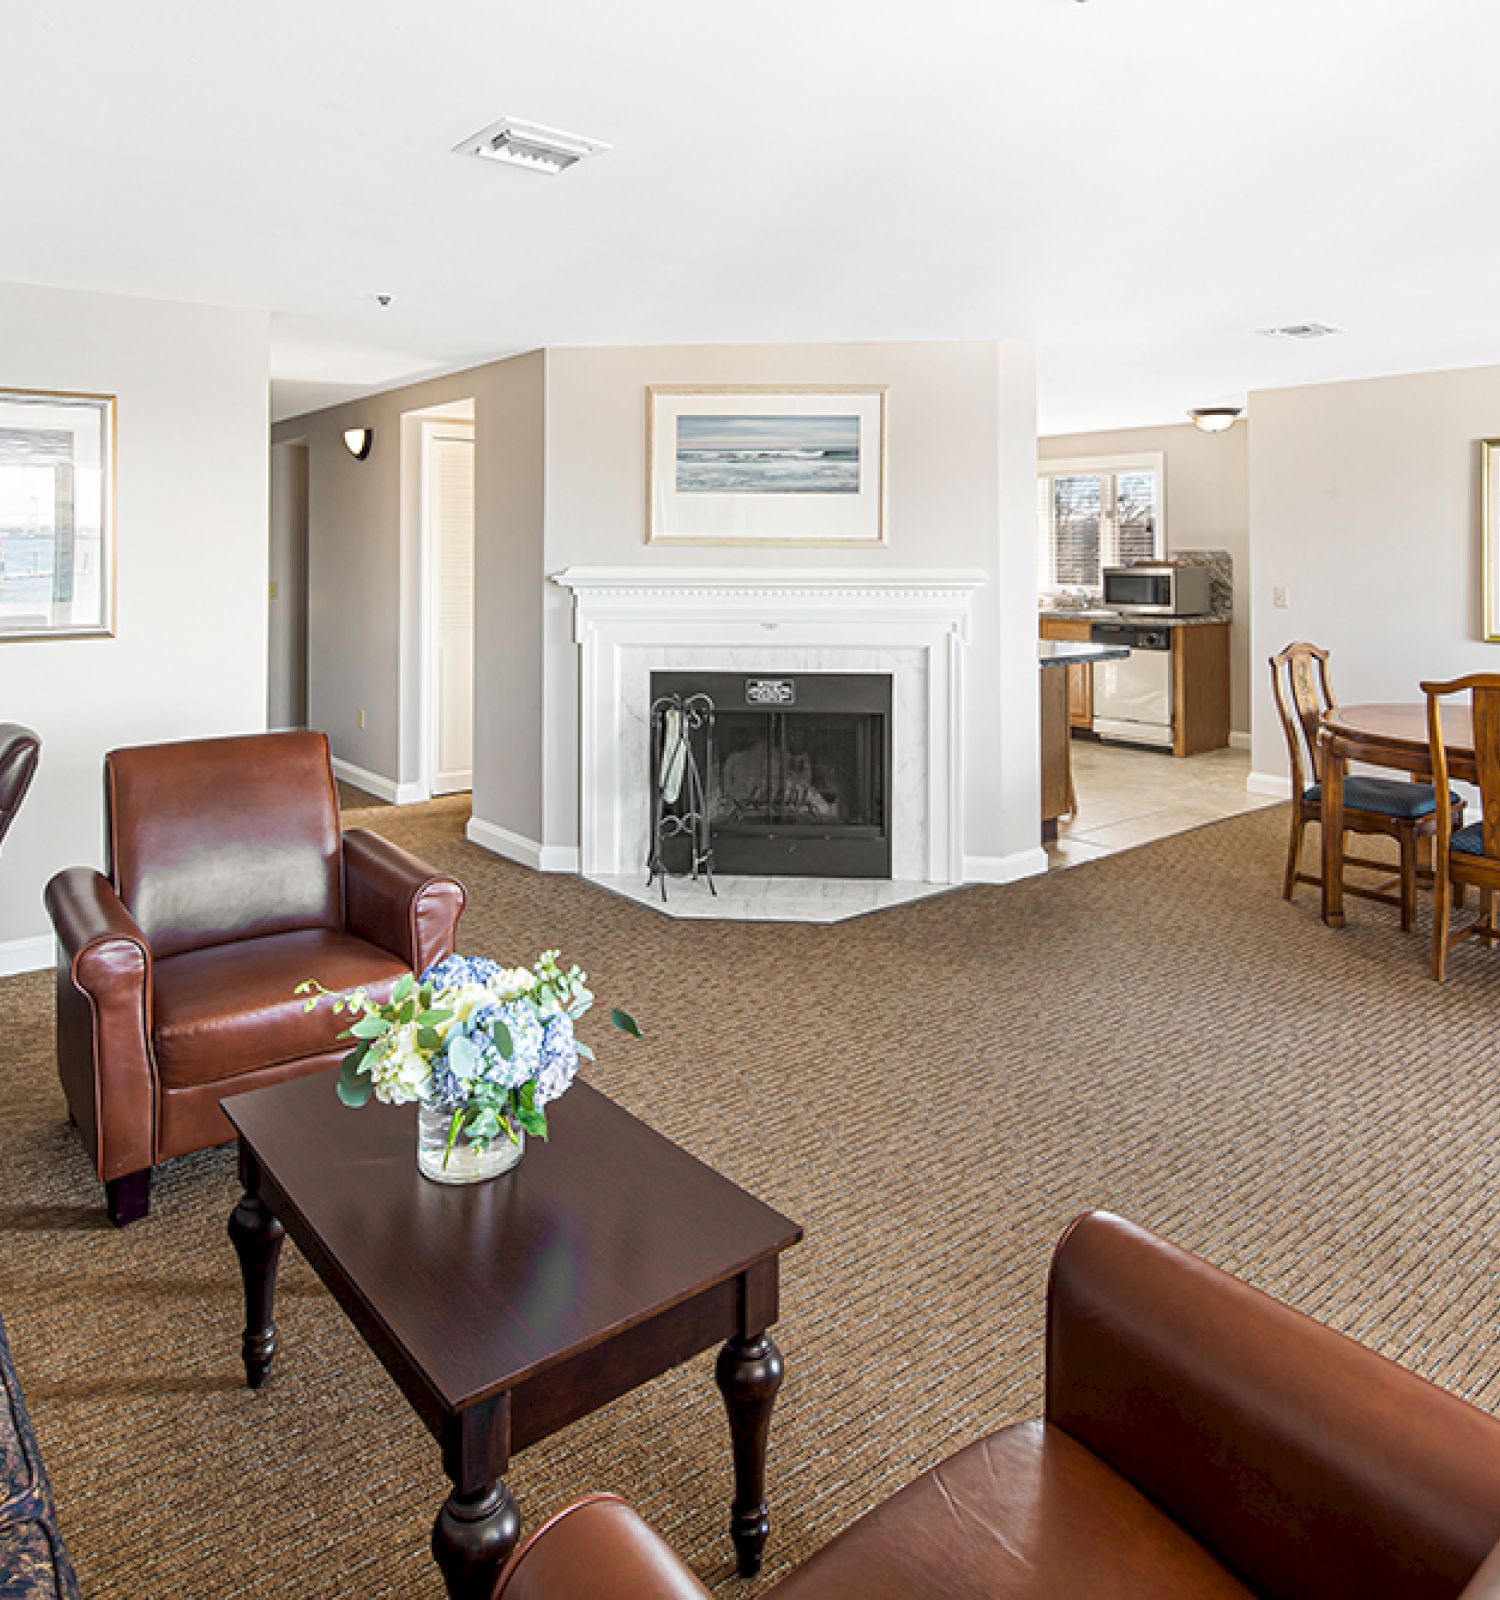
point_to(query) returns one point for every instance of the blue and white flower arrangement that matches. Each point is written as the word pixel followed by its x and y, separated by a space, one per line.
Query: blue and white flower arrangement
pixel 490 1046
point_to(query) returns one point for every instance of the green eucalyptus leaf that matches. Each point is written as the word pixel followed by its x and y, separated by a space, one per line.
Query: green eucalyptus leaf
pixel 403 988
pixel 430 1018
pixel 354 1085
pixel 585 1052
pixel 626 1023
pixel 429 1038
pixel 503 1041
pixel 369 1027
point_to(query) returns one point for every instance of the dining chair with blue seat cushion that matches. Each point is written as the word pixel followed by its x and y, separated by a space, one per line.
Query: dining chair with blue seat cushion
pixel 1405 812
pixel 1388 795
pixel 1469 855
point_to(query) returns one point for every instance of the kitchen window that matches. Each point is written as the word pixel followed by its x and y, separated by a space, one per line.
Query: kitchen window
pixel 1092 514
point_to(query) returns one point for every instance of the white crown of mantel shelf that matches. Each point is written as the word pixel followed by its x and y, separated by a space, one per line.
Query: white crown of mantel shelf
pixel 643 593
pixel 913 624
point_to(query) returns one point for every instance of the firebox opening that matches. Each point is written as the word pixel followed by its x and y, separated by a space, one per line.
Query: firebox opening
pixel 796 771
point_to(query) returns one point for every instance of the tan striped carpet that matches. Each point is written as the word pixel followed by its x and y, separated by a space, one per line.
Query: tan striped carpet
pixel 933 1092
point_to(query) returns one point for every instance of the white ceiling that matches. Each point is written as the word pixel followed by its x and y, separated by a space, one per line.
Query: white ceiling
pixel 1136 185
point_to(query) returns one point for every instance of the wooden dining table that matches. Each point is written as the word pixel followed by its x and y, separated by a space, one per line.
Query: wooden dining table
pixel 1384 735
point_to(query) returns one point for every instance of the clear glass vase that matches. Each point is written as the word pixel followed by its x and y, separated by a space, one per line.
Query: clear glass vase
pixel 465 1163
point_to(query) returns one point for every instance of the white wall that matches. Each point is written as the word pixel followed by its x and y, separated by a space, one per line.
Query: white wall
pixel 961 463
pixel 1364 505
pixel 1207 508
pixel 189 655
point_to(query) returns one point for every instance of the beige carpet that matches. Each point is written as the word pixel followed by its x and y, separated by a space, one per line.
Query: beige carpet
pixel 933 1092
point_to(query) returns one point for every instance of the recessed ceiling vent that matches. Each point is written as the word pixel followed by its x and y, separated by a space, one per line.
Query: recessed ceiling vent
pixel 529 145
pixel 1301 330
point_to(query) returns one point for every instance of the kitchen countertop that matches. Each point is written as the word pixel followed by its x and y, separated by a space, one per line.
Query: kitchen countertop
pixel 1075 653
pixel 1098 614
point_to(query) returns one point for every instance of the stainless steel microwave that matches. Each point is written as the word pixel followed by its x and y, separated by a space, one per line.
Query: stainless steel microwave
pixel 1159 591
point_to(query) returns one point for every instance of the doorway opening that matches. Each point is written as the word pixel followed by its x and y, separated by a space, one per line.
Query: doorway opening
pixel 446 625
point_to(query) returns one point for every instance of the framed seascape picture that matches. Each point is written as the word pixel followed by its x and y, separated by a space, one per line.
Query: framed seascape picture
pixel 57 512
pixel 757 465
pixel 1489 535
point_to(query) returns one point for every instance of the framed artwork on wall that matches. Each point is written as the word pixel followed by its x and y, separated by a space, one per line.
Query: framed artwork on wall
pixel 57 514
pixel 753 464
pixel 1489 535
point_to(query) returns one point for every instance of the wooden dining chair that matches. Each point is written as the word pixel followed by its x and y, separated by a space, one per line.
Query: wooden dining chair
pixel 1405 812
pixel 1465 855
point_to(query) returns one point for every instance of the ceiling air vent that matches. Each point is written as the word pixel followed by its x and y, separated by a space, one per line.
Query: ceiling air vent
pixel 1301 330
pixel 529 145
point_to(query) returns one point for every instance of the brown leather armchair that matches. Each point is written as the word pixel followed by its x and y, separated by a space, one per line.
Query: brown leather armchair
pixel 1200 1442
pixel 20 752
pixel 228 884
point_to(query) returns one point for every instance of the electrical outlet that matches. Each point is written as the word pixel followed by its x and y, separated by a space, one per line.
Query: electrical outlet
pixel 361 720
pixel 1280 598
pixel 275 588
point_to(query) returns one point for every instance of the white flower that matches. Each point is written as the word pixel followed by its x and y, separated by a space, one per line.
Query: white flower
pixel 463 1001
pixel 510 983
pixel 397 1066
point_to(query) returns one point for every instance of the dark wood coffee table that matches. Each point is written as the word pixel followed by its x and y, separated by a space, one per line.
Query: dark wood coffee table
pixel 506 1310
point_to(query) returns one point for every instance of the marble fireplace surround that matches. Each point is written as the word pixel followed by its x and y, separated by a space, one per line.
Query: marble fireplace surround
pixel 629 622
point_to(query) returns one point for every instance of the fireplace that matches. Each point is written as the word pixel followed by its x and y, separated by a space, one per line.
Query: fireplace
pixel 796 770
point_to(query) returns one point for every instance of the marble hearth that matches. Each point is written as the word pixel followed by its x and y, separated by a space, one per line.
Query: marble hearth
pixel 631 622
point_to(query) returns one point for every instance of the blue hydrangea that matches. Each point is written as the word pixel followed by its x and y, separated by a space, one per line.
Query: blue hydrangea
pixel 455 969
pixel 558 1058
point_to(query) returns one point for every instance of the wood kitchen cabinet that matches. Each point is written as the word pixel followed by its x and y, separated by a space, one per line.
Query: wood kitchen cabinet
pixel 1080 679
pixel 1200 688
pixel 1200 681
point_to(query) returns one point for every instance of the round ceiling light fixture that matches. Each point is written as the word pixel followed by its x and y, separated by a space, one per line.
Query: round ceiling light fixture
pixel 1215 419
pixel 359 442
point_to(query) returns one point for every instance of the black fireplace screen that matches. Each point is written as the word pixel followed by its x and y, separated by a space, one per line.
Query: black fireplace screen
pixel 796 771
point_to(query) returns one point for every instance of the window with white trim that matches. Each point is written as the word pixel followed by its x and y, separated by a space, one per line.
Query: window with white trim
pixel 1093 514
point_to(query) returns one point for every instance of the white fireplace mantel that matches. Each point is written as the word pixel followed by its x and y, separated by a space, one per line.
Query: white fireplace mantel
pixel 912 624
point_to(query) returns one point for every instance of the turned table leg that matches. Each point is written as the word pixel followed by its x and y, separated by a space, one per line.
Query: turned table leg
pixel 749 1374
pixel 479 1523
pixel 257 1237
pixel 1331 814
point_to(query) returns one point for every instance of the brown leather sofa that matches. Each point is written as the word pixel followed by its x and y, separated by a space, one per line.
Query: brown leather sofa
pixel 1200 1442
pixel 228 884
pixel 20 752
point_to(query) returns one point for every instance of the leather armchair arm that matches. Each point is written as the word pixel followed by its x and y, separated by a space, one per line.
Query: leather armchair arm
pixel 598 1549
pixel 398 902
pixel 104 1020
pixel 1304 1461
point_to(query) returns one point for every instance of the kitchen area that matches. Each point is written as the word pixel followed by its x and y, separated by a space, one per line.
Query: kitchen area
pixel 1135 698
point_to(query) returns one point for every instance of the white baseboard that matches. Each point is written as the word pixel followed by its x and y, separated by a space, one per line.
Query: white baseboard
pixel 26 955
pixel 1239 741
pixel 1005 869
pixel 1273 783
pixel 396 794
pixel 517 847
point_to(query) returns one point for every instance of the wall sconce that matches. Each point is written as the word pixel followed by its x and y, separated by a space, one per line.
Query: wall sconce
pixel 1212 419
pixel 359 442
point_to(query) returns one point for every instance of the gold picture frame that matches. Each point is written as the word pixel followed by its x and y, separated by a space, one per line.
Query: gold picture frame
pixel 766 464
pixel 1489 536
pixel 58 560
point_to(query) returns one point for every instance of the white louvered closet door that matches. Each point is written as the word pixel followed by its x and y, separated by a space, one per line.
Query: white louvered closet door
pixel 451 512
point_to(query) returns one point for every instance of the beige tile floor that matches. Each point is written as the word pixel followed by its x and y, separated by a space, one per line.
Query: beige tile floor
pixel 1129 796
